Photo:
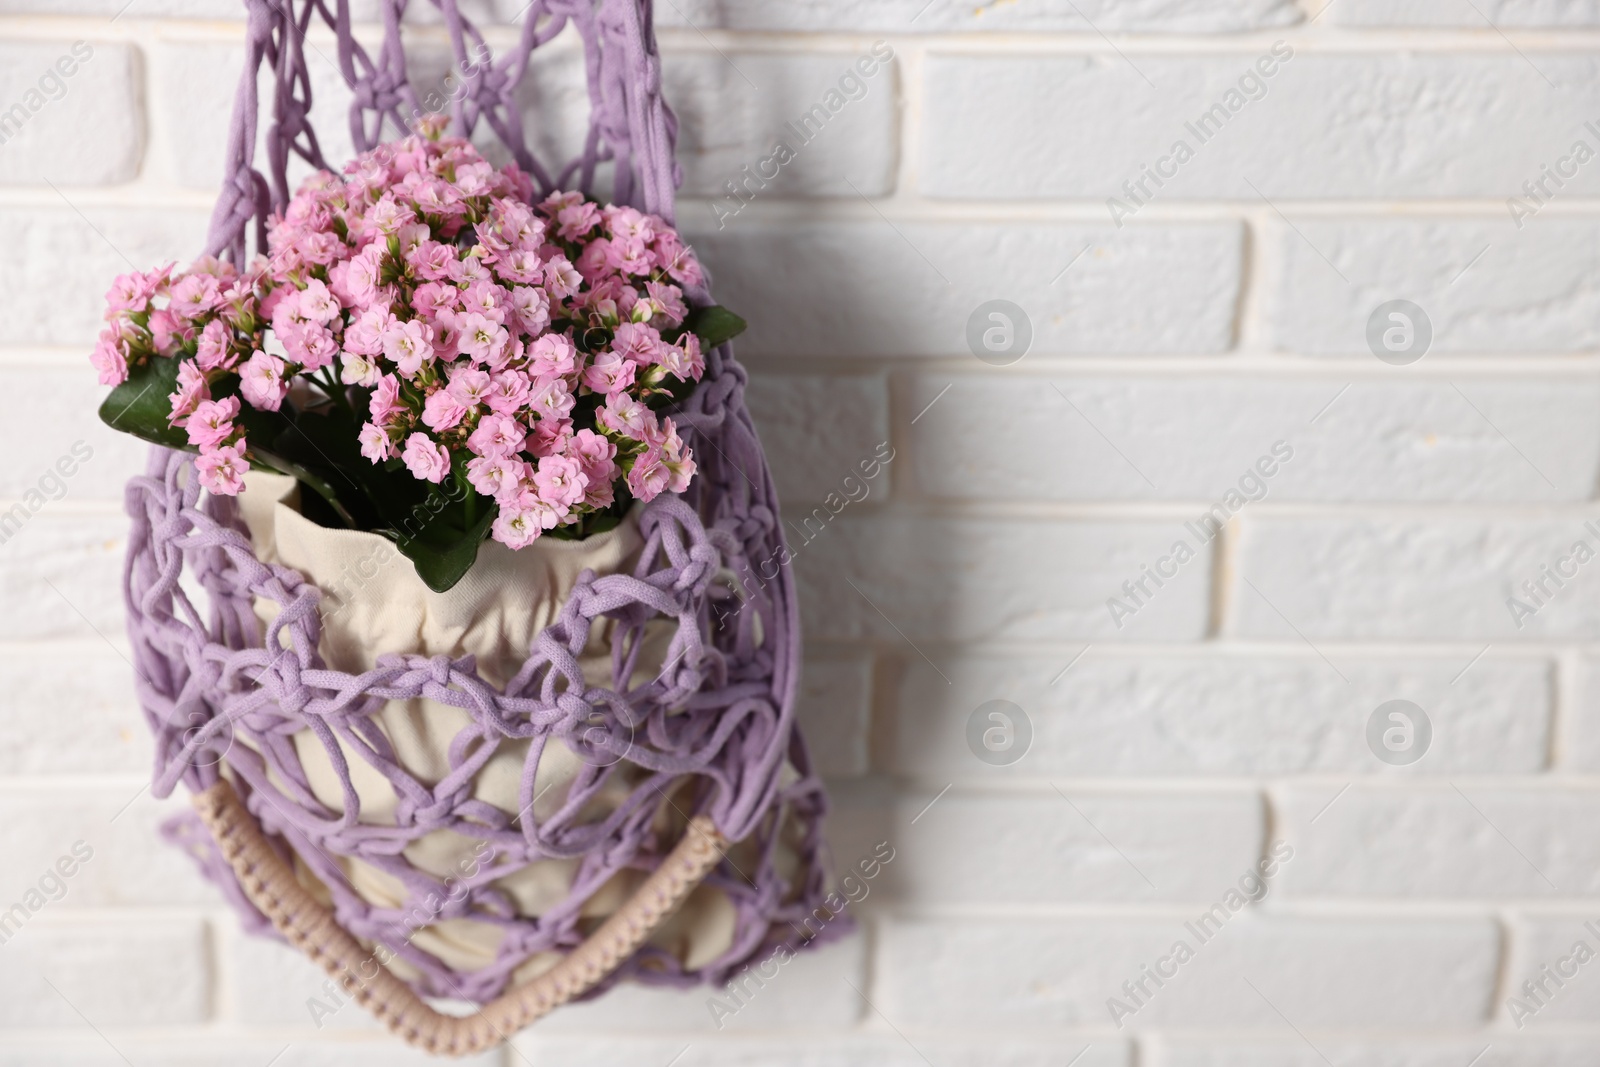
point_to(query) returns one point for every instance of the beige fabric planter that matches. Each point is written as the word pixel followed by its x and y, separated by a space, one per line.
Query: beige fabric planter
pixel 375 604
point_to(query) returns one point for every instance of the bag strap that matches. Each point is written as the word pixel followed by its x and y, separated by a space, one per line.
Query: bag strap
pixel 312 928
pixel 630 123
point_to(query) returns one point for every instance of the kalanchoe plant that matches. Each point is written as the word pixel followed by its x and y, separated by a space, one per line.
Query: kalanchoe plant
pixel 434 356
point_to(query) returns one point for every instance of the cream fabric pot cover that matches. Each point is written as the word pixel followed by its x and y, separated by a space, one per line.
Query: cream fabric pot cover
pixel 374 604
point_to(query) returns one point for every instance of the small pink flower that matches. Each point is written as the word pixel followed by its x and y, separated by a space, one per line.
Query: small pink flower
pixel 574 221
pixel 624 415
pixel 212 422
pixel 469 385
pixel 365 335
pixel 551 205
pixel 521 266
pixel 357 369
pixel 468 269
pixel 508 392
pixel 375 444
pixel 517 529
pixel 495 475
pixel 110 358
pixel 648 476
pixel 431 261
pixel 560 481
pixel 666 303
pixel 608 374
pixel 483 340
pixel 561 279
pixel 441 411
pixel 549 437
pixel 262 382
pixel 167 331
pixel 638 343
pixel 317 304
pixel 597 456
pixel 409 345
pixel 550 398
pixel 131 292
pixel 385 403
pixel 684 359
pixel 192 295
pixel 431 298
pixel 530 309
pixel 676 259
pixel 487 299
pixel 552 356
pixel 211 351
pixel 676 458
pixel 362 278
pixel 629 257
pixel 309 344
pixel 192 388
pixel 497 436
pixel 222 470
pixel 427 461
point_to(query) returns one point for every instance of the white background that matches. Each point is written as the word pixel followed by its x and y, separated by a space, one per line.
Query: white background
pixel 1230 712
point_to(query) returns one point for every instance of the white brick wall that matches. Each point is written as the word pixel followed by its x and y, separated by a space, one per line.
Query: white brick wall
pixel 1168 755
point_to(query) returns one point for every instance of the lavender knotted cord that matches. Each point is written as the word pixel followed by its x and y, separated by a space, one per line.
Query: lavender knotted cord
pixel 714 730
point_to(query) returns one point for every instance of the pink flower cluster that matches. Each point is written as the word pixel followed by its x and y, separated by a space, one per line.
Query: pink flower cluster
pixel 513 345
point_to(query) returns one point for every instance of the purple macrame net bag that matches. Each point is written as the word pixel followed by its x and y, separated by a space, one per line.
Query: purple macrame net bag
pixel 716 725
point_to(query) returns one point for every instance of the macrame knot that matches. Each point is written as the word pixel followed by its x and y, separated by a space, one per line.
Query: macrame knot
pixel 290 692
pixel 439 668
pixel 575 712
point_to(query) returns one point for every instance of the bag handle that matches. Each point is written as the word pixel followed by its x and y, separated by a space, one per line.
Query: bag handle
pixel 629 121
pixel 312 928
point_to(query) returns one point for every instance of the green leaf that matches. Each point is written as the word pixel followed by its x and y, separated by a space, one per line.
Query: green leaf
pixel 714 325
pixel 443 553
pixel 142 404
pixel 321 485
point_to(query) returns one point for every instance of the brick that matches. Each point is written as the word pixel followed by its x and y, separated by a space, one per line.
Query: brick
pixel 915 16
pixel 116 973
pixel 735 108
pixel 1028 973
pixel 1197 438
pixel 1581 744
pixel 67 568
pixel 271 984
pixel 1375 577
pixel 824 1050
pixel 1505 14
pixel 82 128
pixel 1423 124
pixel 1185 715
pixel 1055 848
pixel 872 287
pixel 1467 841
pixel 102 734
pixel 732 108
pixel 1503 1050
pixel 817 430
pixel 1566 992
pixel 60 415
pixel 149 9
pixel 130 865
pixel 1528 293
pixel 196 149
pixel 900 577
pixel 834 710
pixel 210 1049
pixel 60 267
pixel 811 990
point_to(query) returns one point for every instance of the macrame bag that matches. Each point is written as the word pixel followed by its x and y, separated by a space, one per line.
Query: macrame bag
pixel 580 764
